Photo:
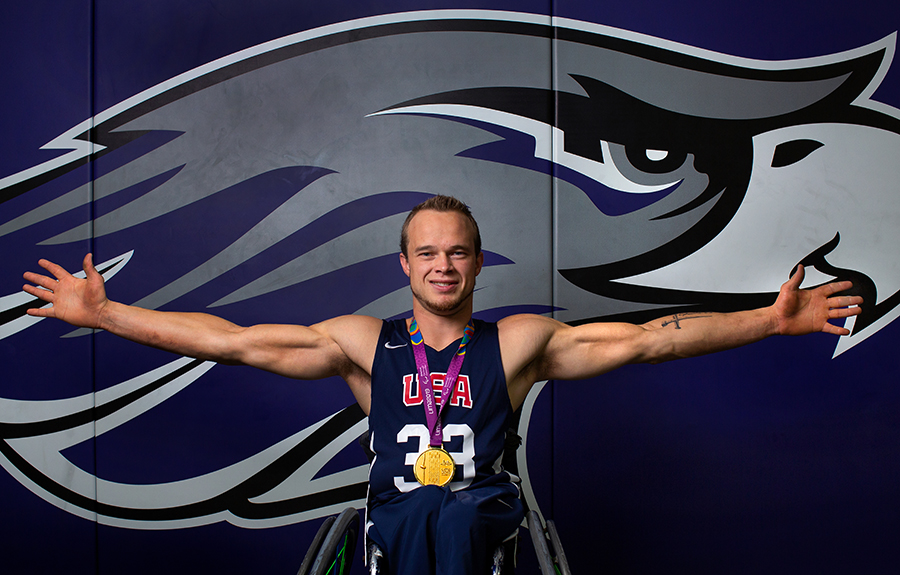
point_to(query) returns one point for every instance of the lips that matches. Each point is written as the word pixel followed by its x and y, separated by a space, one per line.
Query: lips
pixel 444 286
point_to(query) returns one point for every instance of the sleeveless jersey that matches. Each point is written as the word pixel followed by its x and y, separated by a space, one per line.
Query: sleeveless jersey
pixel 474 421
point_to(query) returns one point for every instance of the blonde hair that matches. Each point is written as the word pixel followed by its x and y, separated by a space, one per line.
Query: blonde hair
pixel 439 204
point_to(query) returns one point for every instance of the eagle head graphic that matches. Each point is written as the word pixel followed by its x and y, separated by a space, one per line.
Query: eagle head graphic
pixel 631 176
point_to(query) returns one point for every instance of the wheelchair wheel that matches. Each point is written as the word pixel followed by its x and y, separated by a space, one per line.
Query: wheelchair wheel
pixel 335 556
pixel 539 540
pixel 556 549
pixel 547 546
pixel 314 547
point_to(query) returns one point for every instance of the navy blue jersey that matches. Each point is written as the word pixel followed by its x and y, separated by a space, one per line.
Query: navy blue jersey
pixel 474 421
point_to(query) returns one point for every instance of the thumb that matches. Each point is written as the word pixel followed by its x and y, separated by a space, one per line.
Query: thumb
pixel 88 266
pixel 797 278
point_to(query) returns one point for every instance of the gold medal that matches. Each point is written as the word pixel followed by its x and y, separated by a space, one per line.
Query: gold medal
pixel 435 467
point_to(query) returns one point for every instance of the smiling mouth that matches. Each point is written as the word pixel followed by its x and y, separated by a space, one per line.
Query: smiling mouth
pixel 445 287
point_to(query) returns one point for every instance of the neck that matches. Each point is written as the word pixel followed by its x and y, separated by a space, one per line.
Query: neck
pixel 439 331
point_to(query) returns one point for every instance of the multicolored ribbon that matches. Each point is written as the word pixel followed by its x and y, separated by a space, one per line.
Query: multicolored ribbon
pixel 432 412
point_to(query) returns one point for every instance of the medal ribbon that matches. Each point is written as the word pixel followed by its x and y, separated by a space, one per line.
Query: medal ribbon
pixel 433 413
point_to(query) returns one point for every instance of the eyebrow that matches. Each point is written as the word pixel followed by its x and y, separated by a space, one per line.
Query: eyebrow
pixel 431 248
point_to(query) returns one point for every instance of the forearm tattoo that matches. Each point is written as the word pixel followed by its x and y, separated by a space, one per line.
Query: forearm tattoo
pixel 680 317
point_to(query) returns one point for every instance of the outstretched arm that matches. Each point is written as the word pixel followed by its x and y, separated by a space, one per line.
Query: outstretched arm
pixel 334 347
pixel 541 348
pixel 795 312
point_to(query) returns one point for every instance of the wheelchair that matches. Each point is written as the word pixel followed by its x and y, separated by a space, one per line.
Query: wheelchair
pixel 332 549
pixel 547 545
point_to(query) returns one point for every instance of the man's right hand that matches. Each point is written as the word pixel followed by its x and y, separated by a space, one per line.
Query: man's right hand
pixel 77 301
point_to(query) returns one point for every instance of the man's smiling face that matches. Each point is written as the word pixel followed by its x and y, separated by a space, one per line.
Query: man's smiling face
pixel 441 262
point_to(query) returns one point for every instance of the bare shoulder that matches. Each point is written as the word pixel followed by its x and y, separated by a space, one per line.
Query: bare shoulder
pixel 523 345
pixel 521 328
pixel 351 324
pixel 523 338
pixel 356 335
pixel 528 334
pixel 352 340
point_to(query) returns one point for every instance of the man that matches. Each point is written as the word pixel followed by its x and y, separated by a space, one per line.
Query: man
pixel 431 512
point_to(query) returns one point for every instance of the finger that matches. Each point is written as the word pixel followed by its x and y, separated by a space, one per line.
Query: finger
pixel 58 271
pixel 43 281
pixel 41 312
pixel 835 330
pixel 845 301
pixel 836 287
pixel 39 292
pixel 841 312
pixel 33 277
pixel 42 294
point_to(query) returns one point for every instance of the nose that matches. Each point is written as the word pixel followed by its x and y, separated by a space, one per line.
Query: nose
pixel 444 263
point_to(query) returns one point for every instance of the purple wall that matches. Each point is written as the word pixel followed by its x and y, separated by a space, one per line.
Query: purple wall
pixel 779 457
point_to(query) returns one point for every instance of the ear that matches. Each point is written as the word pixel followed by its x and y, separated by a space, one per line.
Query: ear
pixel 479 261
pixel 404 263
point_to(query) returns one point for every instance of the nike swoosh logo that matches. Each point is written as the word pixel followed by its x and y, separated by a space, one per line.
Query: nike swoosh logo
pixel 388 345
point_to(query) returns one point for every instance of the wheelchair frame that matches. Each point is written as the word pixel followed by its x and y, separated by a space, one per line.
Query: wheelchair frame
pixel 331 551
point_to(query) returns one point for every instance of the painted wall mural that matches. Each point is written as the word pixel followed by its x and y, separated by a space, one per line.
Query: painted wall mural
pixel 623 163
